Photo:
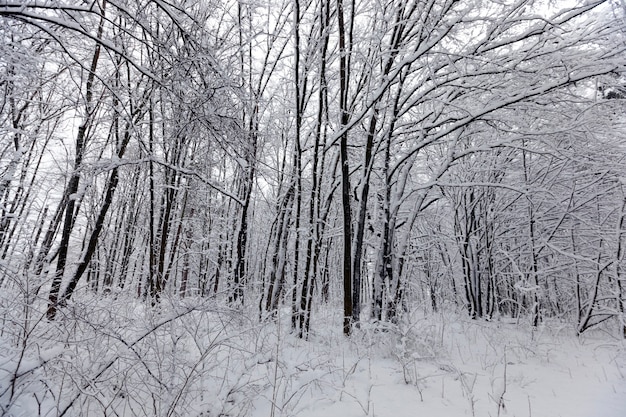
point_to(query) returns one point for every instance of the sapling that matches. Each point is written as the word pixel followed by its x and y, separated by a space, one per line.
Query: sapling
pixel 499 391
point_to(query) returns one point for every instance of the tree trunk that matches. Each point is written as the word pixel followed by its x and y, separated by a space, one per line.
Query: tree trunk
pixel 72 187
pixel 344 82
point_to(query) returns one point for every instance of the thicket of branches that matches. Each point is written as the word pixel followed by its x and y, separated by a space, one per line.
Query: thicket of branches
pixel 383 155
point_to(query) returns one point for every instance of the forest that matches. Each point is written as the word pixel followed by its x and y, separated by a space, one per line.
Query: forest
pixel 186 184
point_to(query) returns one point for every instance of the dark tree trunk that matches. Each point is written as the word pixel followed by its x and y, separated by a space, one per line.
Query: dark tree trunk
pixel 344 82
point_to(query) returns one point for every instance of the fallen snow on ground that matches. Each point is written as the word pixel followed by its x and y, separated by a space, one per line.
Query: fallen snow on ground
pixel 198 360
pixel 449 366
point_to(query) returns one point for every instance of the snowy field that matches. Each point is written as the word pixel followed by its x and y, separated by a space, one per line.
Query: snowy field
pixel 468 368
pixel 446 365
pixel 204 361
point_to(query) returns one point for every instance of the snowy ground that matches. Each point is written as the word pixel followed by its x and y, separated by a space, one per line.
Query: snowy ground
pixel 181 361
pixel 452 366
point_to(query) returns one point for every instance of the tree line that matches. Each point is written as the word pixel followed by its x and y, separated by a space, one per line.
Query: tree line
pixel 381 155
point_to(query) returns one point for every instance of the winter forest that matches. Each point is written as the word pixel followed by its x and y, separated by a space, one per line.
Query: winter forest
pixel 312 208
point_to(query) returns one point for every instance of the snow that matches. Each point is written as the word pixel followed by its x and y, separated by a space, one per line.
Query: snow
pixel 460 367
pixel 205 360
